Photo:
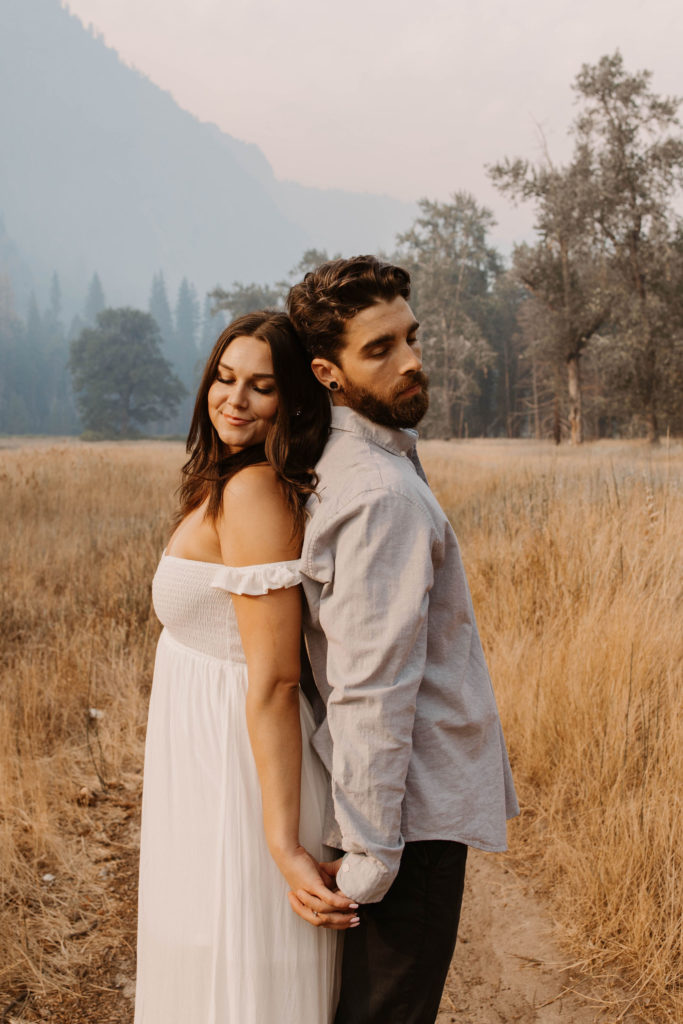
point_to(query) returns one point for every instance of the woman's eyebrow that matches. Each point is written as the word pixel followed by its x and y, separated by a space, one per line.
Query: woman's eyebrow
pixel 225 366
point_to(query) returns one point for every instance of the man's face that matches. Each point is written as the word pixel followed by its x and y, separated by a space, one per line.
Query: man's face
pixel 380 366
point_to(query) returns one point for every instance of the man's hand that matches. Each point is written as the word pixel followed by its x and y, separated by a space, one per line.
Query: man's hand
pixel 330 870
pixel 314 895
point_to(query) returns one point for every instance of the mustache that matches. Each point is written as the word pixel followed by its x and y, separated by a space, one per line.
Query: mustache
pixel 410 380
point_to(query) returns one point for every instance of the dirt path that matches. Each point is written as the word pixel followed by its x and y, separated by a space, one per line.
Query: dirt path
pixel 508 966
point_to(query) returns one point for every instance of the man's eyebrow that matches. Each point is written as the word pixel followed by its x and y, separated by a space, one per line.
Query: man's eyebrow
pixel 254 376
pixel 382 339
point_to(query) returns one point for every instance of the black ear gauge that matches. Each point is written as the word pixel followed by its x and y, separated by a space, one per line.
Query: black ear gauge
pixel 334 386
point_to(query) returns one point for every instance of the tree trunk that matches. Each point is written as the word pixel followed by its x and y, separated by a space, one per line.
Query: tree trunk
pixel 574 386
pixel 534 384
pixel 508 403
pixel 652 426
pixel 124 418
pixel 446 418
pixel 557 425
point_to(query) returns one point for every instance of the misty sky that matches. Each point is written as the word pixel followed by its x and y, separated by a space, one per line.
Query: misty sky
pixel 406 98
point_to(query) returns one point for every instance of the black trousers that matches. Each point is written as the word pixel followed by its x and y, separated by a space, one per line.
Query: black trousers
pixel 395 962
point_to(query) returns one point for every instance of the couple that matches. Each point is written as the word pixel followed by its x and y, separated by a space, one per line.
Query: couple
pixel 397 764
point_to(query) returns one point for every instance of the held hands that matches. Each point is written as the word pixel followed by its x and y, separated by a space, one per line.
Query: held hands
pixel 314 895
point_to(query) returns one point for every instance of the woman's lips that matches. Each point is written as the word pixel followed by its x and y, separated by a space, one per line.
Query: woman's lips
pixel 235 420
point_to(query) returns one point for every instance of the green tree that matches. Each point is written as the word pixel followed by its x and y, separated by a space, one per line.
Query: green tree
pixel 606 229
pixel 94 302
pixel 500 406
pixel 452 268
pixel 186 327
pixel 629 140
pixel 311 260
pixel 160 309
pixel 120 376
pixel 565 273
pixel 643 369
pixel 209 328
pixel 245 298
pixel 53 314
pixel 15 409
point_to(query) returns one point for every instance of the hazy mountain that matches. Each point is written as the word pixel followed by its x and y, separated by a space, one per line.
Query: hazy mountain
pixel 101 170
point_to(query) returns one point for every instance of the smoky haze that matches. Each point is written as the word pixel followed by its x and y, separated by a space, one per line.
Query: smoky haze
pixel 103 171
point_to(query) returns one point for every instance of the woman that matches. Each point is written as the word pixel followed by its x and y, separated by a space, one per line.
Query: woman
pixel 226 777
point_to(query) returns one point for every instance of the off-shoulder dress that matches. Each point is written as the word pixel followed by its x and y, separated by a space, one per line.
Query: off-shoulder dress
pixel 217 940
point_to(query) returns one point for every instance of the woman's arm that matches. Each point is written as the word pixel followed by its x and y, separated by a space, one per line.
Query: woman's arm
pixel 255 527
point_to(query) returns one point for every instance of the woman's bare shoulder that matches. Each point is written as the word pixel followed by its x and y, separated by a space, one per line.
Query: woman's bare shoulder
pixel 253 483
pixel 256 524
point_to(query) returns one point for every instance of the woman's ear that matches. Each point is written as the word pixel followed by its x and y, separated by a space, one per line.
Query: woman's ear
pixel 327 373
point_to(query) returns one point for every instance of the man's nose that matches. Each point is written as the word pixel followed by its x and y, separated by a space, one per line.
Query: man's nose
pixel 412 358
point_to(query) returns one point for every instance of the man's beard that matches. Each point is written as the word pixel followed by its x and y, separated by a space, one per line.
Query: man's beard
pixel 394 411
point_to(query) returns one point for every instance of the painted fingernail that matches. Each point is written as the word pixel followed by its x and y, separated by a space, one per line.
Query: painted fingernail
pixel 355 920
pixel 354 924
pixel 353 906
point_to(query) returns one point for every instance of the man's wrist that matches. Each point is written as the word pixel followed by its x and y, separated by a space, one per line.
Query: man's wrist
pixel 364 878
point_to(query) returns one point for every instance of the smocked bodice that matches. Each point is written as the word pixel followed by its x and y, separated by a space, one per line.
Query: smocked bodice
pixel 193 600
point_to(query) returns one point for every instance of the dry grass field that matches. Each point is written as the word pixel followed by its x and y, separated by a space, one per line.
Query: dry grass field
pixel 574 559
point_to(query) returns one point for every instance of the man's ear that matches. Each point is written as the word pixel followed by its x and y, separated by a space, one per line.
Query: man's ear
pixel 327 373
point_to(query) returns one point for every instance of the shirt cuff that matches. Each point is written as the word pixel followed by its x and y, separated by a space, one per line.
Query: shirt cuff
pixel 364 879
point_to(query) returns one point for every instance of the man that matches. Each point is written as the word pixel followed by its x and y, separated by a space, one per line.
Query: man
pixel 411 735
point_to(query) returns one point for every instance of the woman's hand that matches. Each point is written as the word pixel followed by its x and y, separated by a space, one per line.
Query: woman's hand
pixel 311 896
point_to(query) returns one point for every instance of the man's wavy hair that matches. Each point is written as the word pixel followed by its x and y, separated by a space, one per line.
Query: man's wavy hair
pixel 321 304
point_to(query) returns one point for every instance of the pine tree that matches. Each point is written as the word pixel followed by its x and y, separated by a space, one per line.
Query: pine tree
pixel 211 326
pixel 14 413
pixel 94 302
pixel 452 267
pixel 186 325
pixel 120 376
pixel 160 309
pixel 632 143
pixel 52 320
pixel 245 298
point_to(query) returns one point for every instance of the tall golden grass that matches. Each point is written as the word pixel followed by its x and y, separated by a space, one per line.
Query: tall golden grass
pixel 575 563
pixel 574 559
pixel 80 532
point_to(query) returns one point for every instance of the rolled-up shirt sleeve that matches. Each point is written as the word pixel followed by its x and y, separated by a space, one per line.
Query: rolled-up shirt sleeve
pixel 374 617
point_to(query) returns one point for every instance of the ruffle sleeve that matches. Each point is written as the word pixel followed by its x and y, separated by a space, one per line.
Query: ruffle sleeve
pixel 257 579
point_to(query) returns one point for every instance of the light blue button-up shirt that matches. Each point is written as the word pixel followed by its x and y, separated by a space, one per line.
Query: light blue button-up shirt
pixel 411 736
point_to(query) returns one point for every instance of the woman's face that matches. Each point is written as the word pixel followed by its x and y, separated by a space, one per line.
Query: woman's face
pixel 243 398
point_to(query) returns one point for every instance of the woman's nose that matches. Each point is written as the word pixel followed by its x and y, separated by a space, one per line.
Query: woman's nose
pixel 238 397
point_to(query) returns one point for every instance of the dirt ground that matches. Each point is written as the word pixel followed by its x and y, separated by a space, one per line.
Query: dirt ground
pixel 507 968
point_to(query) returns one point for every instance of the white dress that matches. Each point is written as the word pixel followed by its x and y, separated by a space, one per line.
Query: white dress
pixel 218 942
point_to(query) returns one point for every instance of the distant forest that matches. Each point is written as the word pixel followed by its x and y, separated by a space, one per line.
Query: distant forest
pixel 581 336
pixel 36 394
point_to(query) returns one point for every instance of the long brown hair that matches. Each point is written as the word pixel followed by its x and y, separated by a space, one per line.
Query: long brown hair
pixel 294 442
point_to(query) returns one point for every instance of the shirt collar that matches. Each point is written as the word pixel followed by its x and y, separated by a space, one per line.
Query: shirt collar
pixel 396 441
